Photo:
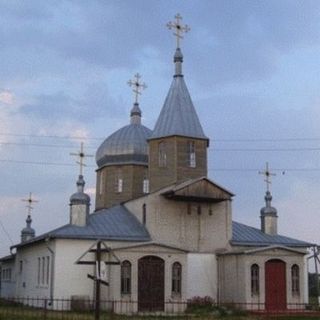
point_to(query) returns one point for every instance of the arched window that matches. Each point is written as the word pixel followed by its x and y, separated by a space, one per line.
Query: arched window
pixel 125 277
pixel 144 214
pixel 254 279
pixel 162 154
pixel 295 281
pixel 176 278
pixel 191 154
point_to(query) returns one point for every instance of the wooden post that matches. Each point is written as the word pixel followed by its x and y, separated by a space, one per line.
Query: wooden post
pixel 98 267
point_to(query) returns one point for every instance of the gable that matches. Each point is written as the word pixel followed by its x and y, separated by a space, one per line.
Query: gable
pixel 150 247
pixel 198 190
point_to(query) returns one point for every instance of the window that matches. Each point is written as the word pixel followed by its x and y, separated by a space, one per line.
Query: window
pixel 254 279
pixel 6 274
pixel 144 214
pixel 125 277
pixel 191 154
pixel 119 181
pixel 145 185
pixel 295 280
pixel 176 278
pixel 101 182
pixel 48 270
pixel 39 269
pixel 199 210
pixel 162 154
pixel 43 275
pixel 20 266
pixel 43 270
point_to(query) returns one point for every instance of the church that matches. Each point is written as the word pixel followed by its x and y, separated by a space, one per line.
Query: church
pixel 165 227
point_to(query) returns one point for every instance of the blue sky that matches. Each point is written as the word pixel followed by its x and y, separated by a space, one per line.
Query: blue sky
pixel 252 69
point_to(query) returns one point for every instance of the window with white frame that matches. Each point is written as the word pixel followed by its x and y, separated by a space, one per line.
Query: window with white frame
pixel 126 277
pixel 119 181
pixel 191 154
pixel 295 280
pixel 145 185
pixel 176 278
pixel 162 154
pixel 101 182
pixel 43 271
pixel 6 274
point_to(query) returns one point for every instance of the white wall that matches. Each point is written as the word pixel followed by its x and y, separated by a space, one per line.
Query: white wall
pixel 202 275
pixel 168 222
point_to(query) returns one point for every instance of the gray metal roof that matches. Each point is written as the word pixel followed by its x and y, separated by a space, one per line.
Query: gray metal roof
pixel 178 115
pixel 126 145
pixel 116 223
pixel 244 235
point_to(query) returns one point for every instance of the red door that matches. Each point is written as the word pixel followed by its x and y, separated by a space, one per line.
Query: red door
pixel 150 284
pixel 276 293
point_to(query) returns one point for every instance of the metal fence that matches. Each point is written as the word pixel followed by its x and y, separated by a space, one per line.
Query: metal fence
pixel 83 309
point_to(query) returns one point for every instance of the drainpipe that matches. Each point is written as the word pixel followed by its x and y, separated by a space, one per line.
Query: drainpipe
pixel 52 270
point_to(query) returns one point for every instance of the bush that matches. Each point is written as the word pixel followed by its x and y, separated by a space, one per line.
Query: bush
pixel 200 304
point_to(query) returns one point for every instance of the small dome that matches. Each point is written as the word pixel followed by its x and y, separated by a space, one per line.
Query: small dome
pixel 126 145
pixel 28 231
pixel 268 209
pixel 80 197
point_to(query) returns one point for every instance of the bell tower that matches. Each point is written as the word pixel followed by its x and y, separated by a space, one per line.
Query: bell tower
pixel 178 145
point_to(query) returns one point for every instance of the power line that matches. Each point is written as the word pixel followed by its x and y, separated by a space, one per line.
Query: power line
pixel 42 145
pixel 6 232
pixel 213 140
pixel 264 149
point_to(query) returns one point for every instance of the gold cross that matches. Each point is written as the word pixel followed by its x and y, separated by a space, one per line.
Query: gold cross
pixel 81 156
pixel 137 86
pixel 268 175
pixel 179 29
pixel 30 202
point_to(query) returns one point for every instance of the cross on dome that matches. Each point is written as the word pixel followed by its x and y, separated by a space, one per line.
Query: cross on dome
pixel 137 86
pixel 81 156
pixel 30 201
pixel 178 28
pixel 267 173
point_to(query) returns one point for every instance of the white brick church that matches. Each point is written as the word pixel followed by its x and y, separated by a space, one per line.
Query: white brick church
pixel 167 224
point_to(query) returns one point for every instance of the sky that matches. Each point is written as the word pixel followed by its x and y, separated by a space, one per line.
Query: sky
pixel 252 69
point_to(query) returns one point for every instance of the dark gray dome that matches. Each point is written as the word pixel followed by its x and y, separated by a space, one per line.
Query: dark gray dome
pixel 126 145
pixel 28 231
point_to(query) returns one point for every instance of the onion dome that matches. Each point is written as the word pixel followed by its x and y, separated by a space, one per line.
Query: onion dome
pixel 268 210
pixel 80 197
pixel 178 115
pixel 127 145
pixel 27 232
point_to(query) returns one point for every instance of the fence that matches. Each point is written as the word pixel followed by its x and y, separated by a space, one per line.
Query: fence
pixel 83 309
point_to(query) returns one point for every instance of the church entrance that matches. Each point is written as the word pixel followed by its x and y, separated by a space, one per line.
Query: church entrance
pixel 275 277
pixel 150 284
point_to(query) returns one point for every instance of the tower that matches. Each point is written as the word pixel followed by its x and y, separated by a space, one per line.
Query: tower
pixel 122 159
pixel 268 214
pixel 28 232
pixel 178 145
pixel 80 201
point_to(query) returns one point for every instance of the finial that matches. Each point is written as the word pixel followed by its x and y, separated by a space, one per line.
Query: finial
pixel 137 86
pixel 178 28
pixel 81 156
pixel 267 175
pixel 30 201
